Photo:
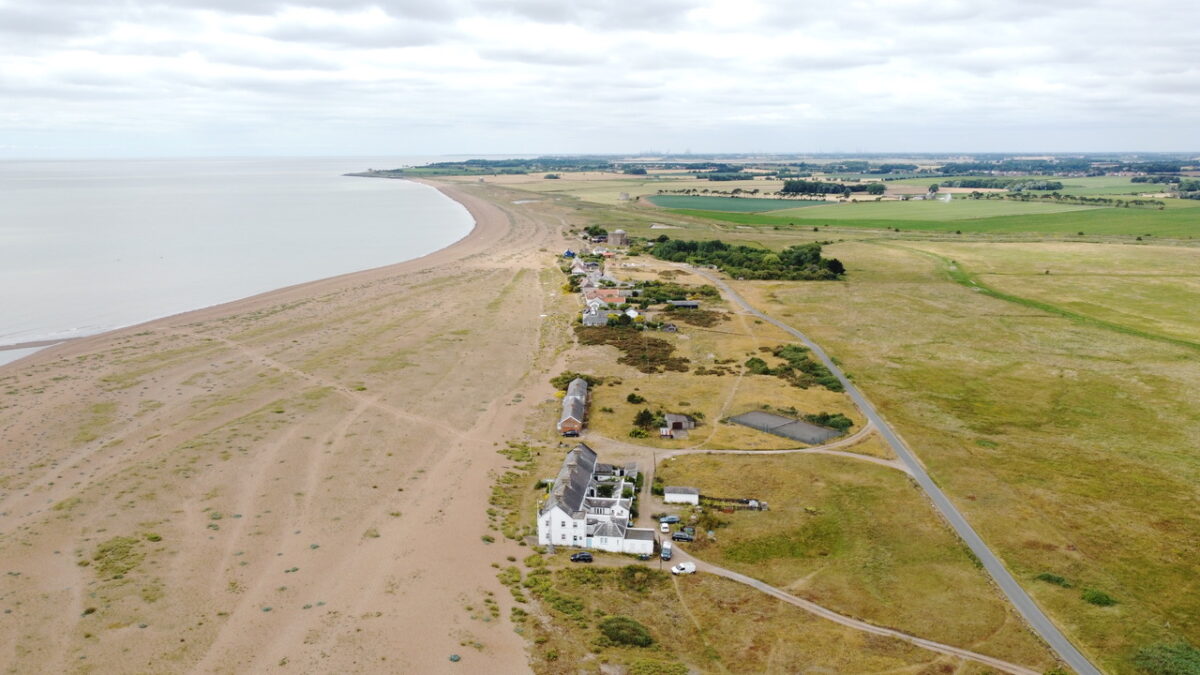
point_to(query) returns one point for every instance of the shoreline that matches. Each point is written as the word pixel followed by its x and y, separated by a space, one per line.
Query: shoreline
pixel 354 421
pixel 439 257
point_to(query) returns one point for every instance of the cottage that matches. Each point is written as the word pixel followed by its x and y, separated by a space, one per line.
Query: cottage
pixel 576 514
pixel 684 304
pixel 681 495
pixel 574 407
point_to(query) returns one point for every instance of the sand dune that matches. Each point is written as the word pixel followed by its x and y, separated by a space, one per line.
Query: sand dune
pixel 295 481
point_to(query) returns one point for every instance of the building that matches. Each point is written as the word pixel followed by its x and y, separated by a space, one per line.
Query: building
pixel 684 304
pixel 679 422
pixel 618 238
pixel 677 426
pixel 681 495
pixel 595 317
pixel 576 514
pixel 574 407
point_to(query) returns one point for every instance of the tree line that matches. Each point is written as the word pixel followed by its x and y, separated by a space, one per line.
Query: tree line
pixel 802 262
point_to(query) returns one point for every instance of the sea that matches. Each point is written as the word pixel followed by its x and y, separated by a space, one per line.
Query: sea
pixel 89 246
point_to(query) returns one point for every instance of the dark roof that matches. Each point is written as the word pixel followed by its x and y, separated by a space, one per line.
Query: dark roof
pixel 570 486
pixel 672 417
pixel 674 489
pixel 684 303
pixel 637 533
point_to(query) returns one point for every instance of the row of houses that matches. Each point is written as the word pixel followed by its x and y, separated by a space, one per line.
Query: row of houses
pixel 587 507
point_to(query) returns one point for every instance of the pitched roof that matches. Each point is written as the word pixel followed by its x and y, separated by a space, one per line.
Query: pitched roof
pixel 571 483
pixel 573 408
pixel 578 387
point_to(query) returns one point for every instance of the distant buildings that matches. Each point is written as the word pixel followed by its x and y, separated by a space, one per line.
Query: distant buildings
pixel 618 238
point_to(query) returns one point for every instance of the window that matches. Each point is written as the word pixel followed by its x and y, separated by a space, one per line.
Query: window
pixel 562 523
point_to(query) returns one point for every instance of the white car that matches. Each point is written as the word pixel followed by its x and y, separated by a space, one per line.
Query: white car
pixel 684 568
pixel 665 528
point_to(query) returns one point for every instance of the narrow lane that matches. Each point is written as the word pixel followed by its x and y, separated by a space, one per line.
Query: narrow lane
pixel 1025 605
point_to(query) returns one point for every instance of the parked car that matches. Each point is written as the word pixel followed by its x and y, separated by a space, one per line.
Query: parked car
pixel 664 527
pixel 669 519
pixel 682 536
pixel 570 434
pixel 684 568
pixel 643 556
pixel 582 556
pixel 666 550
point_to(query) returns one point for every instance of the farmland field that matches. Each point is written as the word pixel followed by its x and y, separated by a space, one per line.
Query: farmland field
pixel 740 205
pixel 958 209
pixel 1182 223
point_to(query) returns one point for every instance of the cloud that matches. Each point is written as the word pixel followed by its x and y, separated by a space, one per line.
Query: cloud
pixel 602 74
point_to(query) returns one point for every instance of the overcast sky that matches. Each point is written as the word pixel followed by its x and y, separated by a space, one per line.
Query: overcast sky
pixel 114 78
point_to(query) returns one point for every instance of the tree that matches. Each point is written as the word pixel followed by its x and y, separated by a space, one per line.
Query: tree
pixel 876 189
pixel 644 419
pixel 933 188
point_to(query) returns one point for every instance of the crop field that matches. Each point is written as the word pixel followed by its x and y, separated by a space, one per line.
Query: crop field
pixel 1089 186
pixel 739 205
pixel 958 209
pixel 607 188
pixel 1179 223
pixel 1069 446
pixel 858 539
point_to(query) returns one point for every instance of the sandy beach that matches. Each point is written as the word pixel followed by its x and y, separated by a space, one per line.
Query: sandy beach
pixel 293 482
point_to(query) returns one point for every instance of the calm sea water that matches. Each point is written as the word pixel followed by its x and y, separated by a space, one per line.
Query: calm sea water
pixel 93 245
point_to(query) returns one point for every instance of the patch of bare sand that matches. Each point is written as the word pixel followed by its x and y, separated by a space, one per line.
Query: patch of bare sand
pixel 295 481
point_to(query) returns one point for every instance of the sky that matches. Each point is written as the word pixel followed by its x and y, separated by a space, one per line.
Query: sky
pixel 144 78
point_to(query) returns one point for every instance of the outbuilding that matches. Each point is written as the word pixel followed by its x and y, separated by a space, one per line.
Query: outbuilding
pixel 674 494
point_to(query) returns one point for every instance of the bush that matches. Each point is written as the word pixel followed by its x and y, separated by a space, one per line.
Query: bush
pixel 561 381
pixel 1053 579
pixel 1163 659
pixel 1098 598
pixel 623 630
pixel 635 399
pixel 638 433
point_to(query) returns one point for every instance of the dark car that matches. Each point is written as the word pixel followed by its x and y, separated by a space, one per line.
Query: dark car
pixel 643 556
pixel 682 536
pixel 582 556
pixel 669 519
pixel 570 434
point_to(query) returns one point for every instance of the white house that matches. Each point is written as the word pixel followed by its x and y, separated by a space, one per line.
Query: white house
pixel 681 495
pixel 574 513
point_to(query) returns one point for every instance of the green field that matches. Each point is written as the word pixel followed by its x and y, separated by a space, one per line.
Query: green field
pixel 1069 445
pixel 1177 223
pixel 958 209
pixel 730 204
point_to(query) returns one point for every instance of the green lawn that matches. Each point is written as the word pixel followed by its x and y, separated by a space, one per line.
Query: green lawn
pixel 729 204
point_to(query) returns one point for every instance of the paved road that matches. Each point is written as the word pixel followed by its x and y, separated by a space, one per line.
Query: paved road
pixel 1016 595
